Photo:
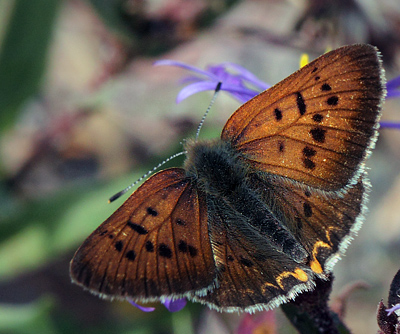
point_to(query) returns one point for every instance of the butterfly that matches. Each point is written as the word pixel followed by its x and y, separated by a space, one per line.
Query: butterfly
pixel 255 217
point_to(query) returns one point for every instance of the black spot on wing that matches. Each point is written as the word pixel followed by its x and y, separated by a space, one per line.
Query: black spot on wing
pixel 309 152
pixel 137 228
pixel 326 87
pixel 281 146
pixel 332 101
pixel 185 248
pixel 149 246
pixel 307 210
pixel 278 114
pixel 130 255
pixel 301 105
pixel 182 246
pixel 317 118
pixel 118 245
pixel 152 212
pixel 318 134
pixel 164 251
pixel 192 251
pixel 308 163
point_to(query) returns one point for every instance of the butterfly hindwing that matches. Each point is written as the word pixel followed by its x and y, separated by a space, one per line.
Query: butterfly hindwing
pixel 323 223
pixel 318 125
pixel 252 274
pixel 255 275
pixel 155 245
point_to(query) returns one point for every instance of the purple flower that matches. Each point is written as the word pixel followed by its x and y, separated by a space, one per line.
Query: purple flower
pixel 171 305
pixel 393 91
pixel 393 309
pixel 175 305
pixel 142 308
pixel 393 88
pixel 390 125
pixel 242 84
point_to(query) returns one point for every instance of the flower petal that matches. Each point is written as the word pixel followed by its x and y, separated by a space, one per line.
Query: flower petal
pixel 393 88
pixel 194 88
pixel 167 62
pixel 390 125
pixel 142 308
pixel 235 84
pixel 393 309
pixel 393 93
pixel 393 83
pixel 243 94
pixel 174 305
pixel 247 75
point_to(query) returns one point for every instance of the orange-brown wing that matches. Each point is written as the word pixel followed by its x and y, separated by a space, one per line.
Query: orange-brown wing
pixel 318 125
pixel 324 223
pixel 252 274
pixel 155 245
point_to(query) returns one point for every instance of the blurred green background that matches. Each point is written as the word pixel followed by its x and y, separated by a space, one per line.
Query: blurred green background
pixel 83 113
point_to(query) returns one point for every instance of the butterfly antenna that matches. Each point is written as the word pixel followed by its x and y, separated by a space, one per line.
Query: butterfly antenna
pixel 144 176
pixel 217 89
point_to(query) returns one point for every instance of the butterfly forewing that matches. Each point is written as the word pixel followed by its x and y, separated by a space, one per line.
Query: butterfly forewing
pixel 155 245
pixel 318 125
